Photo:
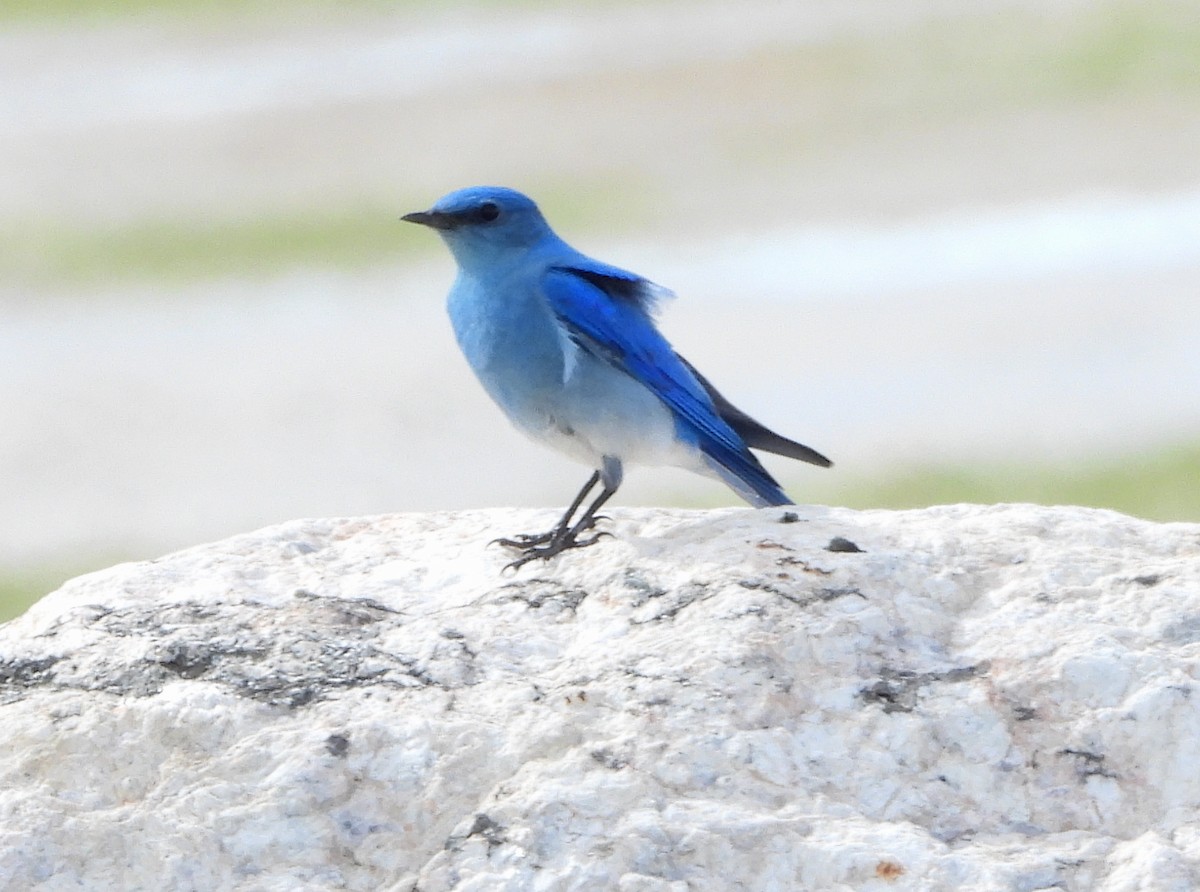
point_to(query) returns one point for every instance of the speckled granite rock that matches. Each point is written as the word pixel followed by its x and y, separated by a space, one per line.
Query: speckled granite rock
pixel 981 698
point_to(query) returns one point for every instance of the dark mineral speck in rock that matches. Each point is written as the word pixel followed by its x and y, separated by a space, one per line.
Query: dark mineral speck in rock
pixel 337 744
pixel 837 543
pixel 789 517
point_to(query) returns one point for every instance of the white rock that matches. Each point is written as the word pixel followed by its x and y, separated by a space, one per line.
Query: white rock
pixel 984 698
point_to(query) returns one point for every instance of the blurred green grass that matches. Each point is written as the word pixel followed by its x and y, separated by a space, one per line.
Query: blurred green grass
pixel 21 587
pixel 176 250
pixel 49 253
pixel 1136 46
pixel 1159 485
pixel 18 590
pixel 90 11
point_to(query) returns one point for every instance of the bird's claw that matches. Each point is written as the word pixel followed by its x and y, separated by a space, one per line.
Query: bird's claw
pixel 524 541
pixel 534 541
pixel 552 547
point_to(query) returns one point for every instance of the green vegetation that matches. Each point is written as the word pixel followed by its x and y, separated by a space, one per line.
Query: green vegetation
pixel 955 69
pixel 1161 485
pixel 1136 46
pixel 19 591
pixel 84 11
pixel 176 250
pixel 1109 48
pixel 110 10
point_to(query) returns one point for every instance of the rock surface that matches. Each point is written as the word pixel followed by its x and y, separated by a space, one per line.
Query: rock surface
pixel 981 698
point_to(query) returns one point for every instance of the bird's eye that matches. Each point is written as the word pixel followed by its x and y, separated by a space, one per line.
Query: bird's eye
pixel 488 211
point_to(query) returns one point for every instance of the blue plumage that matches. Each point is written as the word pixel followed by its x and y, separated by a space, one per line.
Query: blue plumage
pixel 567 346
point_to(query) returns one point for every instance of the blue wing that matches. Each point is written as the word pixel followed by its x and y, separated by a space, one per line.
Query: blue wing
pixel 606 311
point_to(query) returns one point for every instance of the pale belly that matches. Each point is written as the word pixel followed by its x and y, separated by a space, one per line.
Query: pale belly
pixel 600 411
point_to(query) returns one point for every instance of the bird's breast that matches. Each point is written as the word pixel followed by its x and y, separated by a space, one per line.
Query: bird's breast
pixel 509 338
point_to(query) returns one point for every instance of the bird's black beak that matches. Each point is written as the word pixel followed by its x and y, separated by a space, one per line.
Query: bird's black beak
pixel 432 219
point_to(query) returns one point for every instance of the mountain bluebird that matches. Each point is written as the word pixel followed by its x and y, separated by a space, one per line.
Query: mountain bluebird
pixel 567 347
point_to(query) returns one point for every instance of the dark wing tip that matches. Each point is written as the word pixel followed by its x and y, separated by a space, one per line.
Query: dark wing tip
pixel 754 434
pixel 759 437
pixel 813 457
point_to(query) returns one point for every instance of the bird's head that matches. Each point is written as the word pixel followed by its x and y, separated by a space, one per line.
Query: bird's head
pixel 482 223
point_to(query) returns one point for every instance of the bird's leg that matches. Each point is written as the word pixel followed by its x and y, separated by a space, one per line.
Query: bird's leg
pixel 588 520
pixel 563 538
pixel 526 541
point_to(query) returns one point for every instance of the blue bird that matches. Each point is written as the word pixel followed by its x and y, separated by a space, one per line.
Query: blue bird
pixel 567 346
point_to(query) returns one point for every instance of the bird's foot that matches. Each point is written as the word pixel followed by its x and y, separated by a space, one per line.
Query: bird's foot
pixel 551 546
pixel 529 541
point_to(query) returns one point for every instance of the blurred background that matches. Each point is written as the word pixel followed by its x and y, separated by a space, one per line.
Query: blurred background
pixel 953 245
